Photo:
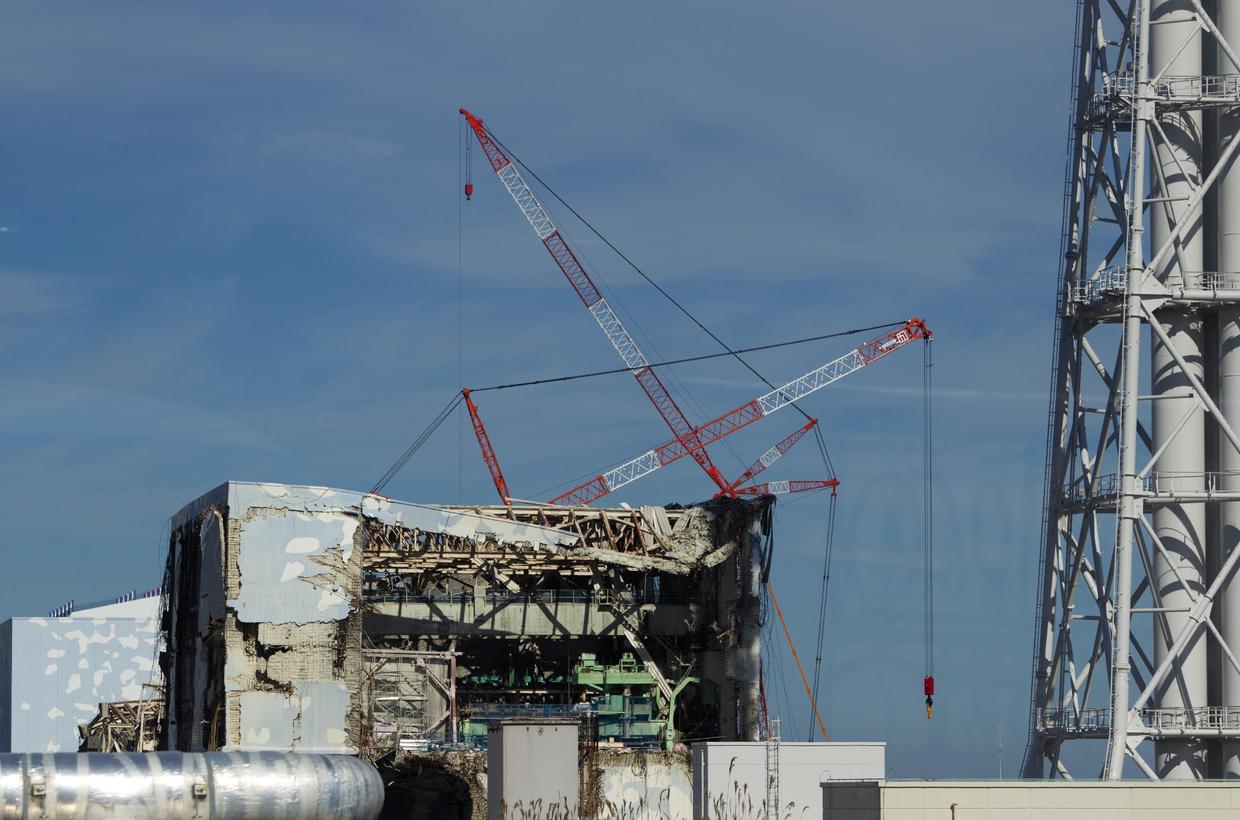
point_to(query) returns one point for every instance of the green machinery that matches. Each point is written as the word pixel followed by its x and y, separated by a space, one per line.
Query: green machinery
pixel 631 705
pixel 629 702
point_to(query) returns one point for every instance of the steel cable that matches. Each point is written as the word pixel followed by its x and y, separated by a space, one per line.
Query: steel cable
pixel 413 448
pixel 733 353
pixel 822 604
pixel 928 504
pixel 686 359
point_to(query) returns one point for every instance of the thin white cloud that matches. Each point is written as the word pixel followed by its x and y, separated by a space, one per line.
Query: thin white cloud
pixel 35 409
pixel 29 293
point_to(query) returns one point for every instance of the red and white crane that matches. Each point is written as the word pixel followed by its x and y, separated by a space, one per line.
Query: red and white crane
pixel 723 426
pixel 770 457
pixel 689 440
pixel 768 488
pixel 608 321
pixel 747 414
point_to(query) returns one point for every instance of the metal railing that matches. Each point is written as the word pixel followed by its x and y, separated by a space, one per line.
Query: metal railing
pixel 502 596
pixel 1204 718
pixel 69 607
pixel 1108 282
pixel 1193 88
pixel 1113 282
pixel 1168 483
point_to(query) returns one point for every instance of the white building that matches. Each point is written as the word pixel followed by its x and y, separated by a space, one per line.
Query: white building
pixel 55 671
pixel 1029 800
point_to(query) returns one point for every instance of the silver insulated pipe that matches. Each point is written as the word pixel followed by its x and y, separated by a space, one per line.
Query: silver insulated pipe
pixel 176 785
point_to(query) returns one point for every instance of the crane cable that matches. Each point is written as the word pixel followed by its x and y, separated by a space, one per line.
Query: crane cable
pixel 928 526
pixel 456 400
pixel 733 353
pixel 822 605
pixel 417 443
pixel 788 636
pixel 687 359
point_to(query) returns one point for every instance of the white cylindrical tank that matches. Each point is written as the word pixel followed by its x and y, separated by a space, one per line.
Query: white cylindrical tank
pixel 1227 219
pixel 183 785
pixel 1175 51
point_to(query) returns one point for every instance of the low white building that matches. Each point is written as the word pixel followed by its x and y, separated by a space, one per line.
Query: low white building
pixel 730 779
pixel 55 671
pixel 1029 800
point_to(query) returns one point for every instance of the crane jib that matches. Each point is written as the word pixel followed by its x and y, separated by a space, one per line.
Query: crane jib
pixel 588 292
pixel 750 412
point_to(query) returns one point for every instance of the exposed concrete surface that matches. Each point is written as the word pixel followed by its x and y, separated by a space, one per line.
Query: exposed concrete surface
pixel 265 625
pixel 646 785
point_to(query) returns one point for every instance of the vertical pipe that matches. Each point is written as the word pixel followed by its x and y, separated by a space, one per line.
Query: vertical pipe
pixel 1228 221
pixel 1210 349
pixel 1175 50
pixel 1117 746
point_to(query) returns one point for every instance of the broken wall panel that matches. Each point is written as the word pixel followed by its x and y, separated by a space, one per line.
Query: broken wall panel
pixel 322 620
pixel 264 624
pixel 648 621
pixel 264 628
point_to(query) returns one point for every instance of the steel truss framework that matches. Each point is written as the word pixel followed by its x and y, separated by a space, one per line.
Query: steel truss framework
pixel 1133 565
pixel 400 682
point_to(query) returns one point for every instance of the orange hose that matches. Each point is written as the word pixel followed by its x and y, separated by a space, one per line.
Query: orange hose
pixel 808 693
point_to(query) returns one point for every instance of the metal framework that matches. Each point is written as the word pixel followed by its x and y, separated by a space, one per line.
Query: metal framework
pixel 590 296
pixel 488 452
pixel 746 414
pixel 400 685
pixel 125 726
pixel 1137 620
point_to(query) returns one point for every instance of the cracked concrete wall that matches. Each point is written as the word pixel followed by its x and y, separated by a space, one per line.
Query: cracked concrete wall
pixel 646 785
pixel 272 661
pixel 61 669
pixel 264 627
pixel 265 623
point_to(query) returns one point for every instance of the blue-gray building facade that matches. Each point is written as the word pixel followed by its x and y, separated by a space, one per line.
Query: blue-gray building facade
pixel 54 673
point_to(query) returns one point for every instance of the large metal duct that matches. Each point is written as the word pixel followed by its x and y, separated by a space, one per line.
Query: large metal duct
pixel 1227 219
pixel 176 785
pixel 1177 419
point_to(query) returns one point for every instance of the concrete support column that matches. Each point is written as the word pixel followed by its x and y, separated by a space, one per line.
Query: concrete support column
pixel 1175 49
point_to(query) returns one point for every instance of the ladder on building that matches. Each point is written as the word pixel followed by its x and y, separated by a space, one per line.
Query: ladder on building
pixel 772 770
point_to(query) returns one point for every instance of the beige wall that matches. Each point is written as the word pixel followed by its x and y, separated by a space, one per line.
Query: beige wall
pixel 1025 800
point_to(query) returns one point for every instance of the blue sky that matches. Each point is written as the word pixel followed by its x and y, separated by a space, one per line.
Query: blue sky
pixel 229 249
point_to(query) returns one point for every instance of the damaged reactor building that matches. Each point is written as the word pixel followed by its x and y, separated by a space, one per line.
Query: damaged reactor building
pixel 317 620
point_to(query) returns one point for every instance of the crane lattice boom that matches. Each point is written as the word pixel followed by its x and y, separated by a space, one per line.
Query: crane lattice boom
pixel 785 487
pixel 772 455
pixel 686 435
pixel 488 452
pixel 747 413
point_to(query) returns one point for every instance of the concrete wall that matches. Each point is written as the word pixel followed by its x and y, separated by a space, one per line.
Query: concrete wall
pixel 470 616
pixel 730 778
pixel 6 685
pixel 532 770
pixel 648 785
pixel 264 625
pixel 56 672
pixel 264 628
pixel 1029 800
